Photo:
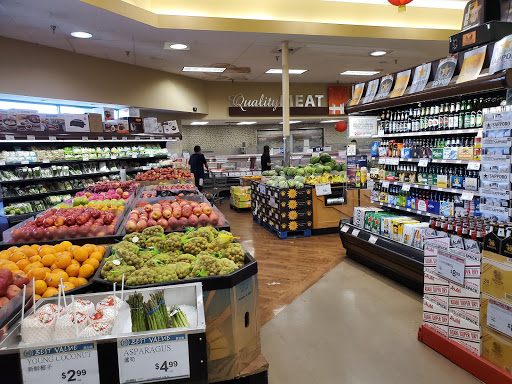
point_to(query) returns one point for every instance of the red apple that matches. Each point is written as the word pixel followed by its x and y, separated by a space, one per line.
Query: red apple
pixel 59 221
pixel 162 222
pixel 141 225
pixel 197 211
pixel 49 221
pixel 157 214
pixel 70 220
pixel 151 223
pixel 176 213
pixel 193 221
pixel 148 208
pixel 130 226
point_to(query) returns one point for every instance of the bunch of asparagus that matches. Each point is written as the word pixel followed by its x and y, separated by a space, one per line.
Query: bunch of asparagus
pixel 135 302
pixel 162 309
pixel 178 318
pixel 154 318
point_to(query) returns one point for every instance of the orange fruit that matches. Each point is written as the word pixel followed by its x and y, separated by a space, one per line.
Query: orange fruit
pixel 50 291
pixel 101 249
pixel 10 266
pixel 36 258
pixel 22 264
pixel 63 261
pixel 76 262
pixel 29 252
pixel 89 248
pixel 73 269
pixel 53 267
pixel 17 271
pixel 66 244
pixel 72 248
pixel 38 297
pixel 62 274
pixel 37 273
pixel 17 256
pixel 79 281
pixel 68 286
pixel 40 287
pixel 97 255
pixel 28 268
pixel 86 271
pixel 72 280
pixel 59 248
pixel 38 264
pixel 49 259
pixel 90 261
pixel 13 248
pixel 35 247
pixel 52 280
pixel 81 254
pixel 4 255
pixel 45 250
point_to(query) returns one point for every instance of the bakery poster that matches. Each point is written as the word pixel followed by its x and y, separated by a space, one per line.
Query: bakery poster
pixel 501 55
pixel 385 87
pixel 472 65
pixel 445 71
pixel 402 80
pixel 358 92
pixel 420 79
pixel 371 91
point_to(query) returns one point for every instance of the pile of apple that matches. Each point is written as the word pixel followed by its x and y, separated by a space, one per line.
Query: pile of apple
pixel 66 223
pixel 164 174
pixel 172 215
pixel 176 187
pixel 106 186
pixel 118 193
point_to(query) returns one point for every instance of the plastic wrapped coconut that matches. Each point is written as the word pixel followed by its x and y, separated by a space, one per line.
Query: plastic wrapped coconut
pixel 85 306
pixel 66 327
pixel 108 303
pixel 51 309
pixel 38 328
pixel 97 328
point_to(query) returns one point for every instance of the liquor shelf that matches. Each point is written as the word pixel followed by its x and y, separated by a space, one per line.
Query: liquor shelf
pixel 431 133
pixel 415 211
pixel 435 161
pixel 430 187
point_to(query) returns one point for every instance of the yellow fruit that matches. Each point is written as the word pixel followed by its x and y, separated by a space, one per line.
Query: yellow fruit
pixel 62 274
pixel 101 249
pixel 50 291
pixel 79 281
pixel 40 287
pixel 97 255
pixel 13 248
pixel 86 271
pixel 17 256
pixel 35 259
pixel 52 280
pixel 93 262
pixel 35 247
pixel 81 254
pixel 66 244
pixel 37 273
pixel 10 266
pixel 89 248
pixel 49 259
pixel 68 286
pixel 72 280
pixel 38 297
pixel 28 251
pixel 73 269
pixel 63 261
pixel 45 250
pixel 22 264
pixel 4 255
pixel 59 248
pixel 53 267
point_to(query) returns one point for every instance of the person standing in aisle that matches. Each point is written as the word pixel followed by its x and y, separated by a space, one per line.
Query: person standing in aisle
pixel 197 163
pixel 265 159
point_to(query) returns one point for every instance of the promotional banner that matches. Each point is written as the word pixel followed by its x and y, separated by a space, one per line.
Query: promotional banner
pixel 358 92
pixel 357 171
pixel 472 65
pixel 420 80
pixel 445 71
pixel 402 79
pixel 501 55
pixel 385 87
pixel 338 97
pixel 362 126
pixel 371 91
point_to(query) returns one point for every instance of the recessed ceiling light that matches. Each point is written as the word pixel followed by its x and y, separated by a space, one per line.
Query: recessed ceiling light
pixel 291 71
pixel 199 123
pixel 378 53
pixel 330 121
pixel 246 123
pixel 203 69
pixel 292 122
pixel 359 73
pixel 81 35
pixel 178 46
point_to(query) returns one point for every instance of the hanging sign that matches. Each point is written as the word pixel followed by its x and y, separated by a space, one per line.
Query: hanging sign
pixel 445 71
pixel 402 80
pixel 472 65
pixel 362 126
pixel 501 55
pixel 421 76
pixel 371 91
pixel 358 92
pixel 385 87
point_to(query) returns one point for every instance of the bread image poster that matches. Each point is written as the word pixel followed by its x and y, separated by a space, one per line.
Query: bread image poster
pixel 402 80
pixel 385 87
pixel 472 65
pixel 358 92
pixel 501 55
pixel 371 91
pixel 445 71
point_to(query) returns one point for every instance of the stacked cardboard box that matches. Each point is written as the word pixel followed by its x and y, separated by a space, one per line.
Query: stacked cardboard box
pixel 452 309
pixel 241 197
pixel 284 209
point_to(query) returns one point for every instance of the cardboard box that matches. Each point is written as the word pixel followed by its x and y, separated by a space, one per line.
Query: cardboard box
pixel 7 121
pixel 472 346
pixel 410 232
pixel 435 303
pixel 134 124
pixel 359 215
pixel 433 312
pixel 105 113
pixel 28 122
pixel 122 126
pixel 496 279
pixel 170 127
pixel 76 123
pixel 465 319
pixel 441 329
pixel 470 289
pixel 110 126
pixel 95 122
pixel 397 224
pixel 150 125
pixel 52 123
pixel 497 349
pixel 502 310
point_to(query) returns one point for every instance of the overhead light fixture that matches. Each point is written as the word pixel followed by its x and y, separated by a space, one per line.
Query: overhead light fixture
pixel 378 53
pixel 203 69
pixel 292 122
pixel 445 4
pixel 246 123
pixel 359 73
pixel 290 71
pixel 330 121
pixel 81 35
pixel 179 46
pixel 199 123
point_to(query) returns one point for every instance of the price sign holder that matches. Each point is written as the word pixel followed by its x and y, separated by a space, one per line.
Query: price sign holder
pixel 52 138
pixel 125 138
pixel 263 189
pixel 2 162
pixel 101 138
pixel 9 137
pixel 46 161
pixel 345 228
pixel 68 363
pixel 31 137
pixel 355 232
pixel 423 163
pixel 499 317
pixel 451 267
pixel 382 160
pixel 473 166
pixel 168 358
pixel 323 189
pixel 468 195
pixel 85 138
pixel 385 184
pixel 406 187
pixel 373 239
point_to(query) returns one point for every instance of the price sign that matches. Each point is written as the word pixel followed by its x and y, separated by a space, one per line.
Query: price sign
pixel 134 156
pixel 146 168
pixel 263 189
pixel 151 137
pixel 154 358
pixel 85 138
pixel 46 161
pixel 355 232
pixel 373 239
pixel 499 317
pixel 406 187
pixel 137 137
pixel 382 160
pixel 2 162
pixel 113 157
pixel 24 162
pixel 468 195
pixel 52 138
pixel 323 189
pixel 408 209
pixel 451 267
pixel 31 137
pixel 9 137
pixel 345 228
pixel 85 158
pixel 114 138
pixel 473 166
pixel 423 163
pixel 70 363
pixel 125 138
pixel 101 138
pixel 385 184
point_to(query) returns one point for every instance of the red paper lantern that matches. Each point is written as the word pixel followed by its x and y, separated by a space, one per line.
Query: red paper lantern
pixel 341 126
pixel 400 4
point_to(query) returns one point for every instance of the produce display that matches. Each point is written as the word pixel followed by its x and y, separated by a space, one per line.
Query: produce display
pixel 152 257
pixel 49 264
pixel 11 282
pixel 171 190
pixel 106 186
pixel 164 174
pixel 172 215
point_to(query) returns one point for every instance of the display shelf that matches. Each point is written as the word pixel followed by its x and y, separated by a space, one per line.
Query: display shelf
pixel 55 178
pixel 39 195
pixel 410 210
pixel 15 219
pixel 400 262
pixel 431 161
pixel 65 162
pixel 486 83
pixel 36 137
pixel 430 187
pixel 456 132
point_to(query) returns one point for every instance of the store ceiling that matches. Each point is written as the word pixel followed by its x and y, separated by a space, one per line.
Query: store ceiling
pixel 247 55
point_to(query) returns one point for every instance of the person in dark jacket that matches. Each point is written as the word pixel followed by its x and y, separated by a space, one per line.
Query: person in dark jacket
pixel 265 159
pixel 197 163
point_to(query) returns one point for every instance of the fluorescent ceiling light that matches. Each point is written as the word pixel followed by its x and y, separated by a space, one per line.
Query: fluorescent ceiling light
pixel 178 46
pixel 81 35
pixel 291 71
pixel 378 53
pixel 246 123
pixel 359 73
pixel 330 121
pixel 203 69
pixel 292 122
pixel 199 123
pixel 445 4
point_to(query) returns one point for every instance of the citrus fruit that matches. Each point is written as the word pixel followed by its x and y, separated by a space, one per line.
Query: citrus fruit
pixel 93 262
pixel 73 269
pixel 22 264
pixel 61 273
pixel 40 287
pixel 37 273
pixel 81 254
pixel 63 261
pixel 45 250
pixel 89 248
pixel 101 249
pixel 72 280
pixel 52 280
pixel 50 291
pixel 29 252
pixel 86 271
pixel 36 258
pixel 66 244
pixel 79 281
pixel 10 266
pixel 76 262
pixel 13 248
pixel 59 248
pixel 53 267
pixel 49 259
pixel 4 255
pixel 38 297
pixel 17 256
pixel 97 255
pixel 35 247
pixel 68 286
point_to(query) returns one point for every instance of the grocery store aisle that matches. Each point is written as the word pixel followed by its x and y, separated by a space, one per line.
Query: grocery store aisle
pixel 354 326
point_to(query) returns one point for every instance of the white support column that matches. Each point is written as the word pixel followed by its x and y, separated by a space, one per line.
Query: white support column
pixel 286 104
